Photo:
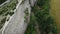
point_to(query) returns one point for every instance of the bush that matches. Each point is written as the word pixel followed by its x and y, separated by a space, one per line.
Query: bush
pixel 2 22
pixel 43 18
pixel 1 1
pixel 46 22
pixel 31 26
pixel 8 7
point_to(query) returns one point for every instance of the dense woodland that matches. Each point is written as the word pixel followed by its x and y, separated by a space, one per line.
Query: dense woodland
pixel 40 14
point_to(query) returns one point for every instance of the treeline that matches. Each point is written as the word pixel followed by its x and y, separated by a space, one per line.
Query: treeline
pixel 41 15
pixel 31 26
pixel 1 1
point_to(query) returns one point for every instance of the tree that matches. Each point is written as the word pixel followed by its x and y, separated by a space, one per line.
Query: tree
pixel 1 1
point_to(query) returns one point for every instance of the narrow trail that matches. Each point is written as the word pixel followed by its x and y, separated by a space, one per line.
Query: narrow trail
pixel 55 11
pixel 37 28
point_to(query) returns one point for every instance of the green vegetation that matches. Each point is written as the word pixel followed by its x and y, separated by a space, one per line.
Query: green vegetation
pixel 26 15
pixel 6 9
pixel 31 26
pixel 10 13
pixel 2 22
pixel 1 1
pixel 42 16
pixel 23 1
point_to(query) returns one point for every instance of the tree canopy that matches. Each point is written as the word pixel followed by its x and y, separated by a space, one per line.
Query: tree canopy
pixel 1 1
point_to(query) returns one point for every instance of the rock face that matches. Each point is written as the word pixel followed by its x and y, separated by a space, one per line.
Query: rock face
pixel 17 25
pixel 32 2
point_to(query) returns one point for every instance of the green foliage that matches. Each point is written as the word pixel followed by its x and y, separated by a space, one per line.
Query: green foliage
pixel 8 7
pixel 26 12
pixel 10 13
pixel 1 1
pixel 31 26
pixel 2 22
pixel 44 19
pixel 40 14
pixel 26 15
pixel 3 10
pixel 41 2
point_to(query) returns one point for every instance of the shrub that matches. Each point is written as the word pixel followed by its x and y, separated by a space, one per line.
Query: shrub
pixel 1 1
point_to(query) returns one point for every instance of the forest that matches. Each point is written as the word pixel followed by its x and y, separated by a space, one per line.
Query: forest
pixel 41 21
pixel 40 14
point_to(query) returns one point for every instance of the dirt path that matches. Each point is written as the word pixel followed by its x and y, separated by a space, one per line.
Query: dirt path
pixel 37 28
pixel 55 11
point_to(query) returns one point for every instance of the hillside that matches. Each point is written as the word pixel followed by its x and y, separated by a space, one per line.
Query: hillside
pixel 30 17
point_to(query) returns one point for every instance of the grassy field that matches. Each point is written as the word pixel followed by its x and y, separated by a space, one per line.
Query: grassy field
pixel 55 11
